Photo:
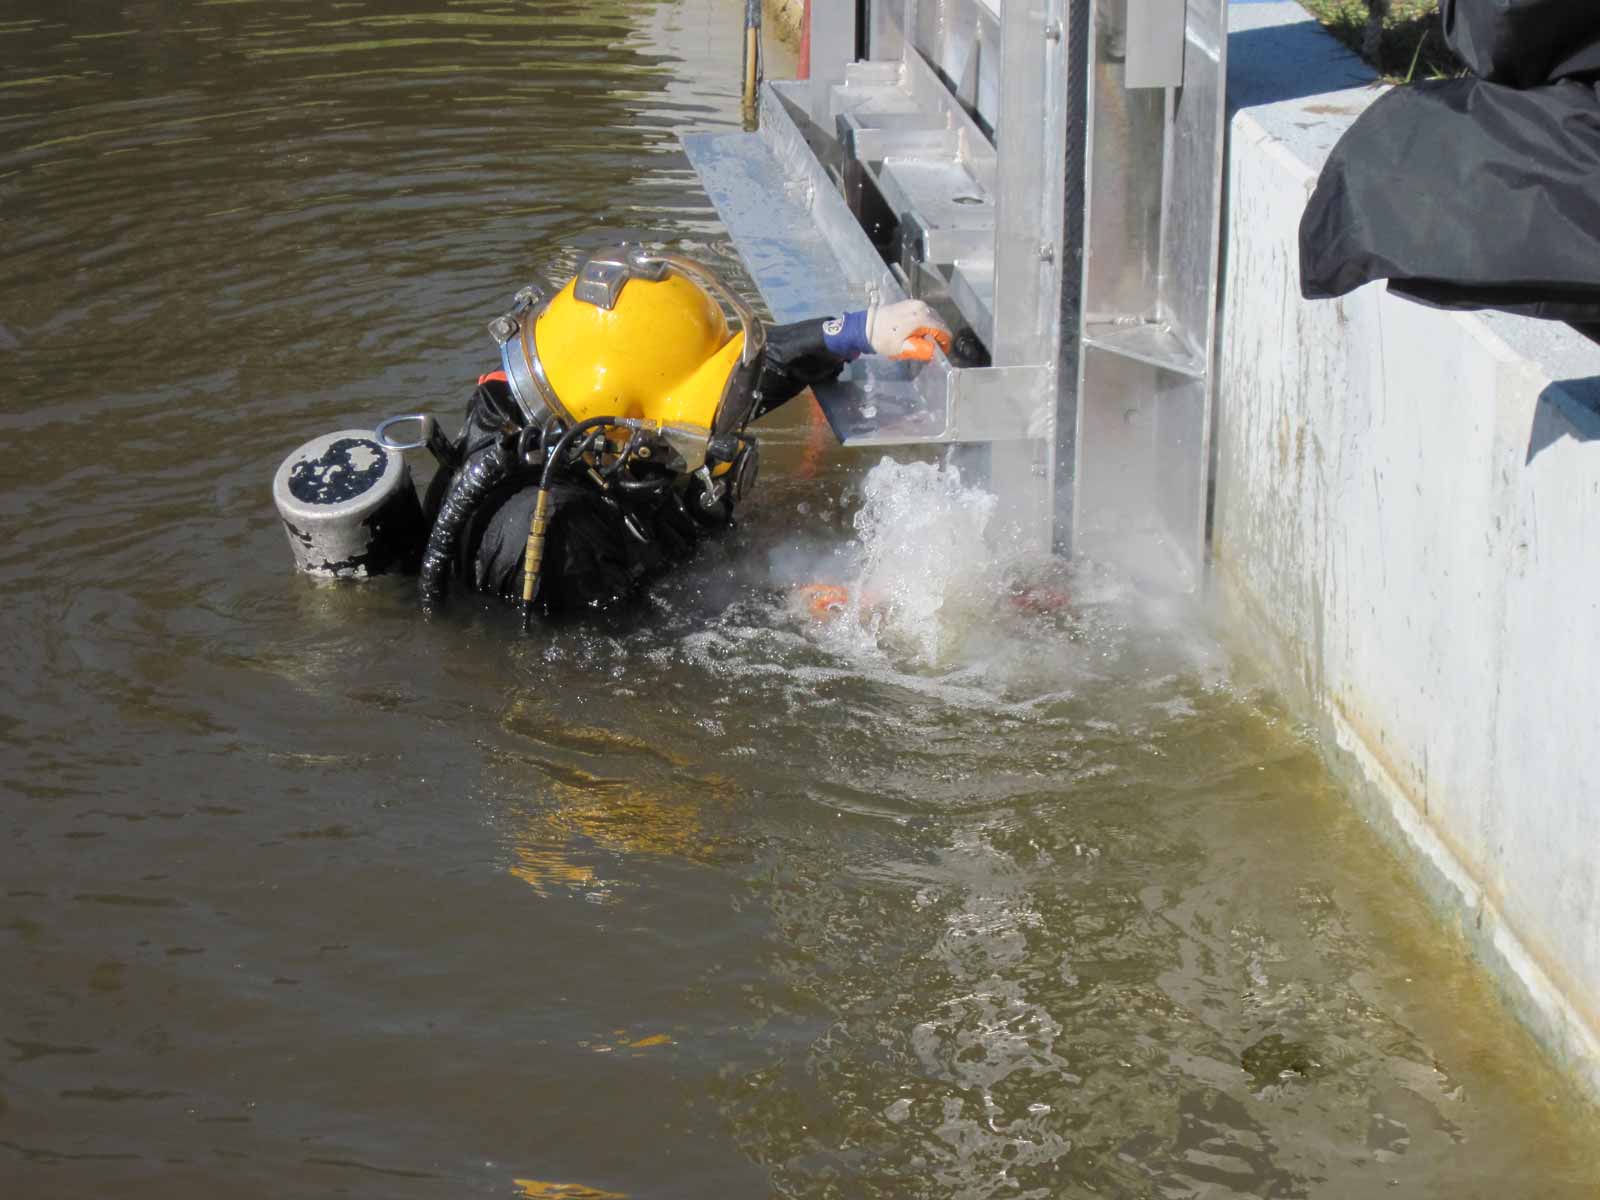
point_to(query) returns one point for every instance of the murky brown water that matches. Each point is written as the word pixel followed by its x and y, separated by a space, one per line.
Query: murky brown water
pixel 303 896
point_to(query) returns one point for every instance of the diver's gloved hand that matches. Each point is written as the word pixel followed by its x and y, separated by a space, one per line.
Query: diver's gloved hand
pixel 908 329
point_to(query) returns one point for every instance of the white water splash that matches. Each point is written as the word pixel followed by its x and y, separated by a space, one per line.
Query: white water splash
pixel 928 589
pixel 927 568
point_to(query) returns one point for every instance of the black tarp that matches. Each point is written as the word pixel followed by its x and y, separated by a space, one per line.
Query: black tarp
pixel 1469 193
pixel 1524 43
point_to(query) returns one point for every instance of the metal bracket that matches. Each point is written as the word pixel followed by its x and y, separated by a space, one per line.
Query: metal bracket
pixel 605 272
pixel 1078 243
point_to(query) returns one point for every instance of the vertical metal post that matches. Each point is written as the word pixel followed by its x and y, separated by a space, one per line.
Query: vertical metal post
pixel 1153 173
pixel 833 47
pixel 1029 252
pixel 887 21
pixel 1154 48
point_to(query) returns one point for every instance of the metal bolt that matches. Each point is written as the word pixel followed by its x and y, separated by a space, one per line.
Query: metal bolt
pixel 1052 31
pixel 1047 253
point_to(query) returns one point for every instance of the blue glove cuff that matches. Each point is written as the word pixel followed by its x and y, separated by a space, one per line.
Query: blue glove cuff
pixel 846 336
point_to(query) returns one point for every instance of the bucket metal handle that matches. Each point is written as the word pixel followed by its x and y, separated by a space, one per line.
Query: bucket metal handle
pixel 429 436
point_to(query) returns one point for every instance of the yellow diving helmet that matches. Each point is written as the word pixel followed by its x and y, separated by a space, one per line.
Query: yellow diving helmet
pixel 634 334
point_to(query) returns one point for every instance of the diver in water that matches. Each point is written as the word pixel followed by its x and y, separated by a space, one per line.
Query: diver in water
pixel 614 436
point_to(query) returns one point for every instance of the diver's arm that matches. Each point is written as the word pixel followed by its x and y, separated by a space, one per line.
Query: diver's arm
pixel 796 357
pixel 814 351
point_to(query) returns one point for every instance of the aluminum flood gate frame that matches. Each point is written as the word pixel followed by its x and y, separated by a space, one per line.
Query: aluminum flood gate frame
pixel 1046 173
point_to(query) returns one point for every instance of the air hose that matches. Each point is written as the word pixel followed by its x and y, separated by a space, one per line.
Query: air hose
pixel 472 483
pixel 533 556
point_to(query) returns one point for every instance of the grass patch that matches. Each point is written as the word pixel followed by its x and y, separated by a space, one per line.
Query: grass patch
pixel 1410 47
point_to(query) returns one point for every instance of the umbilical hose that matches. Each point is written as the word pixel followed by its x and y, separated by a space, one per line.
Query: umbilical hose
pixel 533 556
pixel 472 483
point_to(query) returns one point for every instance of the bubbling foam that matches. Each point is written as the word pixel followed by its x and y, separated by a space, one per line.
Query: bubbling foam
pixel 926 567
pixel 928 587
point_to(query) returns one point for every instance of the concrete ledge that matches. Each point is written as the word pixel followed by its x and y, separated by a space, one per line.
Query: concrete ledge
pixel 1405 514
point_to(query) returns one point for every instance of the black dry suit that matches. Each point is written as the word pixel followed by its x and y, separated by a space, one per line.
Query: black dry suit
pixel 607 536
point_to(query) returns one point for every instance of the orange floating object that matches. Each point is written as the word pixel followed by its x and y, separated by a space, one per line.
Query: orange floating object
pixel 1042 600
pixel 824 601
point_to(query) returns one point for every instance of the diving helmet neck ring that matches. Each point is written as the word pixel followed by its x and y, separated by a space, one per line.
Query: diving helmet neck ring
pixel 513 333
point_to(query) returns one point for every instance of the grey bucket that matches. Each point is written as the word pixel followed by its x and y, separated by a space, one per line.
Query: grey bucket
pixel 348 506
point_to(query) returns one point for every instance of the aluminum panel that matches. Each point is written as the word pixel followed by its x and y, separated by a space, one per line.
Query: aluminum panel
pixel 972 291
pixel 877 402
pixel 1191 228
pixel 1150 289
pixel 789 255
pixel 1029 272
pixel 960 41
pixel 809 183
pixel 833 47
pixel 1148 342
pixel 1155 36
pixel 924 91
pixel 940 191
pixel 886 25
pixel 808 256
pixel 1122 222
pixel 874 143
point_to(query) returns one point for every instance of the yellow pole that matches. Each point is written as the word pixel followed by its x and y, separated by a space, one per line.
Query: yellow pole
pixel 752 60
pixel 752 56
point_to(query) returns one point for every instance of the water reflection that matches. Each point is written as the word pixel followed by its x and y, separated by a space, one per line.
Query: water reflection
pixel 303 894
pixel 560 816
pixel 1141 984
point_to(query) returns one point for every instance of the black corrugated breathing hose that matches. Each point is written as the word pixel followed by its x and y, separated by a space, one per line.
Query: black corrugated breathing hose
pixel 482 472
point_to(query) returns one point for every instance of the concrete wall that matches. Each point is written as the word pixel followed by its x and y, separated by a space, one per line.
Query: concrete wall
pixel 1407 514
